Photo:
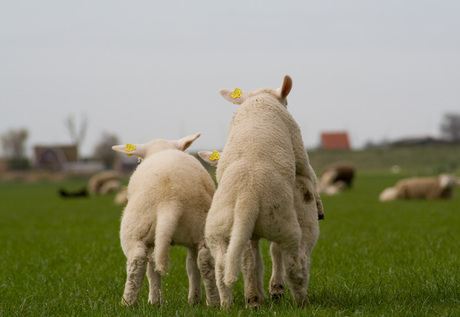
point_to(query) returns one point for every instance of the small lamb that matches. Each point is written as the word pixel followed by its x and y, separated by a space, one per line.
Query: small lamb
pixel 169 195
pixel 429 188
pixel 308 209
pixel 264 154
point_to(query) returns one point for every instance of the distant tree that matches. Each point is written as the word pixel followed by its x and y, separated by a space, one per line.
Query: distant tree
pixel 450 127
pixel 103 149
pixel 13 143
pixel 76 134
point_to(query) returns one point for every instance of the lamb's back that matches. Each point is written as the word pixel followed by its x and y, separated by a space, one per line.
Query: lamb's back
pixel 259 138
pixel 167 180
pixel 170 175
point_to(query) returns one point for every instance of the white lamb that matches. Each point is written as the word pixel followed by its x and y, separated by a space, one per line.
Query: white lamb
pixel 255 198
pixel 308 209
pixel 440 187
pixel 169 196
pixel 97 181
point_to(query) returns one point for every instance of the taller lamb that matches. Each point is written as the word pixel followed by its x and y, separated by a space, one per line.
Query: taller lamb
pixel 264 153
pixel 169 196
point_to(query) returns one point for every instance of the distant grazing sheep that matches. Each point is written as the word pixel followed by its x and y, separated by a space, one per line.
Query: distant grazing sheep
pixel 264 154
pixel 97 181
pixel 169 196
pixel 121 197
pixel 441 187
pixel 336 177
pixel 110 186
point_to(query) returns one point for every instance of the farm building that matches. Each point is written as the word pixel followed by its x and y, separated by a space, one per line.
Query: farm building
pixel 335 141
pixel 64 158
pixel 54 157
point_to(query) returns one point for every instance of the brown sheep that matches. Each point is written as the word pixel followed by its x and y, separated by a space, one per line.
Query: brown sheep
pixel 336 177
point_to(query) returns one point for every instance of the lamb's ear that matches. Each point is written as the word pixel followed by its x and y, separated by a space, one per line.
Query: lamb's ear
pixel 210 157
pixel 131 149
pixel 236 96
pixel 185 142
pixel 285 89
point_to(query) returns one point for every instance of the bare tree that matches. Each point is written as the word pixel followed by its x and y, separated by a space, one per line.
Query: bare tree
pixel 76 134
pixel 103 150
pixel 450 127
pixel 13 143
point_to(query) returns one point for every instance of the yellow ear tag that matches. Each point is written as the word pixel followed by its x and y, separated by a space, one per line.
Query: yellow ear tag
pixel 236 93
pixel 214 156
pixel 129 148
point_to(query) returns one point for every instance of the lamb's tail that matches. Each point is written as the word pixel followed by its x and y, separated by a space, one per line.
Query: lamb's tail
pixel 167 219
pixel 245 216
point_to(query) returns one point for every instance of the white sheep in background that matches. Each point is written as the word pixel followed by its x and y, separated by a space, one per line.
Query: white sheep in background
pixel 308 210
pixel 121 198
pixel 441 187
pixel 169 196
pixel 332 189
pixel 110 186
pixel 97 181
pixel 264 153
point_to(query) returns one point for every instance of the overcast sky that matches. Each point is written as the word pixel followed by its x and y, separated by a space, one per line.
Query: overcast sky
pixel 149 69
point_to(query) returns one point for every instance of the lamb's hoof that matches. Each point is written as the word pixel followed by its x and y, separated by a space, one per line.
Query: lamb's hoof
pixel 277 292
pixel 213 299
pixel 213 303
pixel 127 302
pixel 155 303
pixel 277 297
pixel 304 303
pixel 194 300
pixel 253 303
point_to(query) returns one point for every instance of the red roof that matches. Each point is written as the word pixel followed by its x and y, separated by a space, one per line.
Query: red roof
pixel 335 141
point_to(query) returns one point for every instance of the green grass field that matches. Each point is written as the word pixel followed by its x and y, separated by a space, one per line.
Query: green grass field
pixel 63 258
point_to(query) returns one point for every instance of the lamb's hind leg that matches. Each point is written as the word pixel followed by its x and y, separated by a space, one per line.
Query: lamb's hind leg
pixel 136 267
pixel 207 269
pixel 277 283
pixel 259 269
pixel 252 269
pixel 225 292
pixel 296 269
pixel 194 293
pixel 155 297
